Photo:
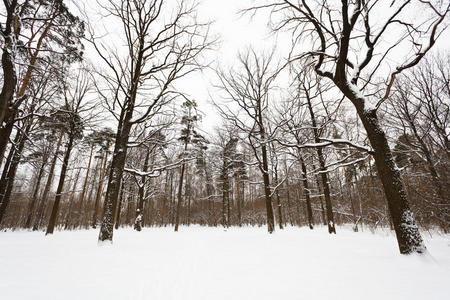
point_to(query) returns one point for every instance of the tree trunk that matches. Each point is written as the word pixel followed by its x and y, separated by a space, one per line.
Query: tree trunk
pixel 179 197
pixel 83 192
pixel 119 207
pixel 42 206
pixel 280 215
pixel 5 133
pixel 71 199
pixel 62 177
pixel 349 191
pixel 35 193
pixel 238 195
pixel 307 194
pixel 9 72
pixel 12 171
pixel 99 189
pixel 323 170
pixel 140 206
pixel 9 159
pixel 267 192
pixel 407 232
pixel 115 175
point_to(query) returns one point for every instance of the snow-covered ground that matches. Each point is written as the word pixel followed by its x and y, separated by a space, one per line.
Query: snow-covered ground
pixel 210 263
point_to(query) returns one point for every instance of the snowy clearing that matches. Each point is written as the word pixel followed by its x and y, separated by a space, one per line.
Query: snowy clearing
pixel 211 263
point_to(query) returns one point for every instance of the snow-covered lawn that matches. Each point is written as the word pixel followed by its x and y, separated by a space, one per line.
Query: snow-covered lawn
pixel 210 263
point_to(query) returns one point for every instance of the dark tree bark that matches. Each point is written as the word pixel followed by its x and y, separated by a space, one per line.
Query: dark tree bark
pixel 9 72
pixel 323 170
pixel 43 204
pixel 307 194
pixel 83 191
pixel 277 195
pixel 179 195
pixel 267 192
pixel 408 235
pixel 59 190
pixel 238 198
pixel 140 205
pixel 119 207
pixel 99 189
pixel 225 197
pixel 34 196
pixel 12 171
pixel 350 196
pixel 9 159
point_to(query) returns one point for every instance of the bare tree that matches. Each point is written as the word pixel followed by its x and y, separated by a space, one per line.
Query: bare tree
pixel 159 50
pixel 249 90
pixel 350 48
pixel 72 115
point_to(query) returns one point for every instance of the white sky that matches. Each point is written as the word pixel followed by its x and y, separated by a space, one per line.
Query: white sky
pixel 236 33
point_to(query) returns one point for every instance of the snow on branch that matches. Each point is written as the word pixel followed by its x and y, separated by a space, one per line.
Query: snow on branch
pixel 156 172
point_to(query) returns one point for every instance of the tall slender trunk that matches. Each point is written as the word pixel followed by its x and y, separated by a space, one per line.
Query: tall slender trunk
pixel 140 206
pixel 350 196
pixel 267 192
pixel 288 193
pixel 62 177
pixel 225 193
pixel 323 170
pixel 9 159
pixel 100 189
pixel 35 194
pixel 170 211
pixel 277 195
pixel 12 171
pixel 238 196
pixel 322 208
pixel 119 207
pixel 179 196
pixel 71 199
pixel 307 194
pixel 83 191
pixel 189 196
pixel 180 184
pixel 43 202
pixel 209 195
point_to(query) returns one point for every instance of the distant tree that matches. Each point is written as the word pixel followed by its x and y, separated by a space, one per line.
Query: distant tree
pixel 250 89
pixel 70 116
pixel 189 137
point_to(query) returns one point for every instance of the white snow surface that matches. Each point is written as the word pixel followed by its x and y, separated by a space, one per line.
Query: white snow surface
pixel 211 263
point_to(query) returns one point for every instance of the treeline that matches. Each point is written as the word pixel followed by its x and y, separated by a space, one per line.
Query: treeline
pixel 323 139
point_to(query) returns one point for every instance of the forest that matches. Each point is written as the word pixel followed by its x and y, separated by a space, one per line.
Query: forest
pixel 349 126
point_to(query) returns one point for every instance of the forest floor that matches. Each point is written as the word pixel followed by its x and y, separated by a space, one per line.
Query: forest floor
pixel 211 263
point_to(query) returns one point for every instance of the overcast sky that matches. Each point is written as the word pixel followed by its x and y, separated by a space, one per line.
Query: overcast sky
pixel 235 33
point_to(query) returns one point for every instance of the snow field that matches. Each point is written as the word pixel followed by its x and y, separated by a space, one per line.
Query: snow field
pixel 211 263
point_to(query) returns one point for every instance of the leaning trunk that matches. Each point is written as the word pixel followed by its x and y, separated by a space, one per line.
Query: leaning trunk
pixel 407 232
